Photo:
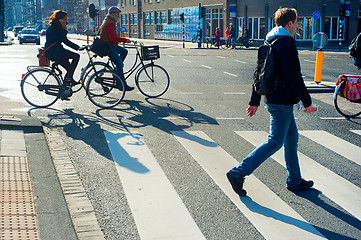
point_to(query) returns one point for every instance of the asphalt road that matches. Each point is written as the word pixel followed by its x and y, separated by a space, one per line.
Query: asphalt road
pixel 187 137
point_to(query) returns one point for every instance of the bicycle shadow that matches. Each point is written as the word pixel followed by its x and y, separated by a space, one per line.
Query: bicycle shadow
pixel 130 116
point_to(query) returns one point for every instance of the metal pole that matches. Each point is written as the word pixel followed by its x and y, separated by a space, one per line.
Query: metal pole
pixel 2 18
pixel 183 36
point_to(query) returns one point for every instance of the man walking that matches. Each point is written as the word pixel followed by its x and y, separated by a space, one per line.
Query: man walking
pixel 233 35
pixel 283 130
pixel 117 54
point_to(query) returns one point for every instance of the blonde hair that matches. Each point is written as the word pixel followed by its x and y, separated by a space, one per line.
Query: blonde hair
pixel 57 14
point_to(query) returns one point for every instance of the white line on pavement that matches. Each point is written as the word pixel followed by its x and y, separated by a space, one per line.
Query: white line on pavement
pixel 336 144
pixel 332 118
pixel 231 74
pixel 206 66
pixel 311 61
pixel 264 209
pixel 158 211
pixel 186 60
pixel 234 93
pixel 240 61
pixel 356 131
pixel 221 57
pixel 341 191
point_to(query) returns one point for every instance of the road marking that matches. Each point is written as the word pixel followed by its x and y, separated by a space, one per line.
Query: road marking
pixel 336 144
pixel 171 56
pixel 229 118
pixel 309 61
pixel 221 57
pixel 240 61
pixel 356 131
pixel 186 60
pixel 341 191
pixel 266 211
pixel 173 118
pixel 234 93
pixel 206 66
pixel 158 211
pixel 332 118
pixel 231 74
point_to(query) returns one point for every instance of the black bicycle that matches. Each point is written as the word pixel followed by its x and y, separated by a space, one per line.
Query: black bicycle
pixel 151 79
pixel 343 101
pixel 42 86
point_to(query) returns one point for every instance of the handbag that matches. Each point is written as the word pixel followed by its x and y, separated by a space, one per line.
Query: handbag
pixel 43 60
pixel 100 47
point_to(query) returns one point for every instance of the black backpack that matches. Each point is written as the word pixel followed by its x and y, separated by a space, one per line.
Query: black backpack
pixel 265 77
pixel 354 47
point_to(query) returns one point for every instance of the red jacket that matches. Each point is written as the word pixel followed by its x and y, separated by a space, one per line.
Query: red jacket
pixel 112 34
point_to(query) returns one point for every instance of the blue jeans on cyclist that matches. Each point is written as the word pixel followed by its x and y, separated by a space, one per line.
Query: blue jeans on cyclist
pixel 117 56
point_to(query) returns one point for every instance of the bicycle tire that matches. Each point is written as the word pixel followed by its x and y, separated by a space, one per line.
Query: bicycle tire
pixel 346 108
pixel 88 70
pixel 152 80
pixel 105 89
pixel 30 87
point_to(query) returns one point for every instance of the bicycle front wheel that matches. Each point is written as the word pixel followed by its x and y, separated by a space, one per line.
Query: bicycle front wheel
pixel 346 108
pixel 90 69
pixel 152 80
pixel 105 89
pixel 38 87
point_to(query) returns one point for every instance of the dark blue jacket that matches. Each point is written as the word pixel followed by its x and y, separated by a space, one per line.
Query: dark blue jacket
pixel 55 33
pixel 288 68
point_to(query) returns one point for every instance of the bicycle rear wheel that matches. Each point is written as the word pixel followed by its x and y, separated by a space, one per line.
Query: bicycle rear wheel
pixel 33 86
pixel 105 89
pixel 152 80
pixel 346 108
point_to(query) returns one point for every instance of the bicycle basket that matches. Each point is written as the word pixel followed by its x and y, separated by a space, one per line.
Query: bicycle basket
pixel 150 52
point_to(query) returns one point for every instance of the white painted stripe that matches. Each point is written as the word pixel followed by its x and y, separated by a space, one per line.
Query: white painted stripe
pixel 158 211
pixel 272 217
pixel 336 144
pixel 171 56
pixel 221 57
pixel 356 131
pixel 234 93
pixel 240 61
pixel 332 118
pixel 186 60
pixel 206 66
pixel 338 189
pixel 229 118
pixel 309 61
pixel 173 118
pixel 231 74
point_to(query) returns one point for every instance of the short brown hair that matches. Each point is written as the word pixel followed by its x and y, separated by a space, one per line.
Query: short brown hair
pixel 284 15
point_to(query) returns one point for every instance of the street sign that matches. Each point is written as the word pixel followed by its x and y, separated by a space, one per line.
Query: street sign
pixel 316 15
pixel 123 29
pixel 92 23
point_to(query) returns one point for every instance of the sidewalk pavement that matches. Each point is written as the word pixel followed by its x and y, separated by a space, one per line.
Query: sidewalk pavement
pixel 38 199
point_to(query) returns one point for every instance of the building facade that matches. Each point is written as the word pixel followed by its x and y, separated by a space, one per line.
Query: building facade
pixel 160 19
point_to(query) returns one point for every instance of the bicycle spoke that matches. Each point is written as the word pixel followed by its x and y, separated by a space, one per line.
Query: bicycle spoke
pixel 152 80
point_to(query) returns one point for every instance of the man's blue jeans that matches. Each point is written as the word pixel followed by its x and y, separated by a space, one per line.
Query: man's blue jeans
pixel 117 56
pixel 283 132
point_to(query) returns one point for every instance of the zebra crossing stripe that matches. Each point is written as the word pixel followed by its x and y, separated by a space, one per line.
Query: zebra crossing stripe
pixel 338 189
pixel 336 144
pixel 272 217
pixel 158 211
pixel 356 131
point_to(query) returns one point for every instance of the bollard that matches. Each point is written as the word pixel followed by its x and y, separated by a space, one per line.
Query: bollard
pixel 87 39
pixel 318 69
pixel 123 35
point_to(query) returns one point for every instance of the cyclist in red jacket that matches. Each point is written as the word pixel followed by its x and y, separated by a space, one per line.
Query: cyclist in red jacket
pixel 117 54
